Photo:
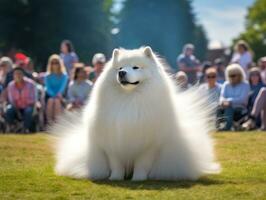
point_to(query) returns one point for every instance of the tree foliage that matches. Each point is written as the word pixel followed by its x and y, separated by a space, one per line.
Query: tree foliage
pixel 37 27
pixel 164 25
pixel 255 33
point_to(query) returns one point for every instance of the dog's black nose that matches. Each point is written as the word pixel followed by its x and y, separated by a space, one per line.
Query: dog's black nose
pixel 122 74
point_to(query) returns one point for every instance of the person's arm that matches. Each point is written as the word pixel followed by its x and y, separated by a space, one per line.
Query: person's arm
pixel 183 67
pixel 63 85
pixel 75 58
pixel 247 60
pixel 224 100
pixel 48 87
pixel 32 94
pixel 70 96
pixel 242 99
pixel 9 78
pixel 235 58
pixel 9 91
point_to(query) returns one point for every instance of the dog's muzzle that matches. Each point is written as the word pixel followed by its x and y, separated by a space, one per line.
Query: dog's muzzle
pixel 122 78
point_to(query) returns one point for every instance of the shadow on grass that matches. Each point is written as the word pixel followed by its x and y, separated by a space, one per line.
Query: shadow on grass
pixel 160 185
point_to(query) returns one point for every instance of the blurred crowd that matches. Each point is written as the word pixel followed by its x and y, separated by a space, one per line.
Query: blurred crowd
pixel 235 88
pixel 29 101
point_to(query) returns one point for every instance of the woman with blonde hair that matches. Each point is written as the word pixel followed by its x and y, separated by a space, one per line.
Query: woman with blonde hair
pixel 234 94
pixel 55 85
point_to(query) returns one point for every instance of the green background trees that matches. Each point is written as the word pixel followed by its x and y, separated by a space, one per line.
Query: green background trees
pixel 37 27
pixel 164 25
pixel 255 33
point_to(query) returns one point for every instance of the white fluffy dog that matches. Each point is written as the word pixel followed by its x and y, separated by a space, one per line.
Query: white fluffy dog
pixel 135 125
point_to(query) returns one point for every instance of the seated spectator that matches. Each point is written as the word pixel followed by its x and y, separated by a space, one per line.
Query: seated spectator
pixel 68 55
pixel 98 62
pixel 219 64
pixel 55 85
pixel 242 55
pixel 6 66
pixel 182 80
pixel 206 65
pixel 78 90
pixel 21 98
pixel 259 108
pixel 76 65
pixel 262 65
pixel 256 84
pixel 211 87
pixel 40 101
pixel 188 63
pixel 234 94
pixel 21 60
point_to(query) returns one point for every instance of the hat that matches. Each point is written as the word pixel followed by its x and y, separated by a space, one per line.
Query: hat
pixel 21 58
pixel 98 58
pixel 6 61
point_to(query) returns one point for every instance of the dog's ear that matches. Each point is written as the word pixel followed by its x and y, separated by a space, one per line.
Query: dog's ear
pixel 148 52
pixel 115 54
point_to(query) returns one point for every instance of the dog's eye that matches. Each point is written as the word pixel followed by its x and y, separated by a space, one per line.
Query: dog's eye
pixel 135 67
pixel 120 68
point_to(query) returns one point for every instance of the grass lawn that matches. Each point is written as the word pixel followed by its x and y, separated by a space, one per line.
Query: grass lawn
pixel 26 172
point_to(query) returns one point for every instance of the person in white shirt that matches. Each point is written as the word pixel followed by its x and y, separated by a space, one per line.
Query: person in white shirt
pixel 262 65
pixel 242 55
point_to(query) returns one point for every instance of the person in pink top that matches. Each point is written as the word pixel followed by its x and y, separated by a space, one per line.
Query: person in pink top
pixel 21 94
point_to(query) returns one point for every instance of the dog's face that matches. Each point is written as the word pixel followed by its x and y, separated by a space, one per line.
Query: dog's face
pixel 133 68
pixel 130 76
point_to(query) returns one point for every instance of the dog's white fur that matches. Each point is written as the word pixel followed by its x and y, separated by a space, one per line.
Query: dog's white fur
pixel 145 129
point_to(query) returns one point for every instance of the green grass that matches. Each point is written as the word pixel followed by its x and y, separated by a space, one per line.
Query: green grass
pixel 26 172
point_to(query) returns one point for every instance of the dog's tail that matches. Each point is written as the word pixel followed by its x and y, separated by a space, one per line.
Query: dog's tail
pixel 71 146
pixel 197 122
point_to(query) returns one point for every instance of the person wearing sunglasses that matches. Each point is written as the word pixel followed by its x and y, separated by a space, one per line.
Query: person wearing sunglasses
pixel 211 87
pixel 56 81
pixel 234 94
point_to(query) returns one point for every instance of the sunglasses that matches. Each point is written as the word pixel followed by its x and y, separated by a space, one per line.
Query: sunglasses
pixel 211 76
pixel 233 75
pixel 55 63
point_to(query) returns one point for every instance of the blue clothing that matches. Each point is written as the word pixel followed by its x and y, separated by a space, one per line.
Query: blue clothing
pixel 189 62
pixel 79 91
pixel 228 115
pixel 55 84
pixel 69 59
pixel 237 95
pixel 254 93
pixel 25 114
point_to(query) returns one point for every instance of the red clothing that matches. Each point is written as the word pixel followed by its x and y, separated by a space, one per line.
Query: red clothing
pixel 22 95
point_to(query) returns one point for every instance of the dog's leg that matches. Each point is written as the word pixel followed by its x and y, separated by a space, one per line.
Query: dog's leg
pixel 117 169
pixel 98 165
pixel 143 165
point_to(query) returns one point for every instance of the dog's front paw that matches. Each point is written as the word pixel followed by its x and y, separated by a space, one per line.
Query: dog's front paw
pixel 139 176
pixel 116 176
